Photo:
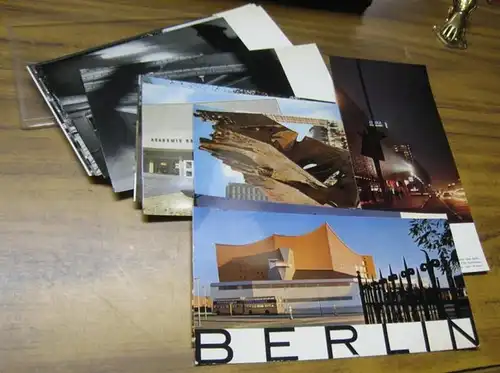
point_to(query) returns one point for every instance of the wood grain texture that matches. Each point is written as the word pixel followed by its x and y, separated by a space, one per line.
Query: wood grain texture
pixel 87 286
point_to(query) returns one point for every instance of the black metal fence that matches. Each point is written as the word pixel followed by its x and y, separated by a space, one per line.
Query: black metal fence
pixel 398 299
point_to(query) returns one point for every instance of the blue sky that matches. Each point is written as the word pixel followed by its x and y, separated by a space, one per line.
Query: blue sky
pixel 167 91
pixel 386 239
pixel 212 176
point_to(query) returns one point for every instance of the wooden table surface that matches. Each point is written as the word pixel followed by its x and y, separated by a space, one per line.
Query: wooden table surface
pixel 86 285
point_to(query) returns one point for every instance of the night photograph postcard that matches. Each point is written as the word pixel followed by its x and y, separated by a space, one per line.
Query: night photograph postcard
pixel 401 155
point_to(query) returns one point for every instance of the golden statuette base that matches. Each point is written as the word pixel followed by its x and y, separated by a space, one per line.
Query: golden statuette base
pixel 452 32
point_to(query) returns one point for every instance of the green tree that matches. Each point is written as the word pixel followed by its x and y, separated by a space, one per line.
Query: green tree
pixel 435 236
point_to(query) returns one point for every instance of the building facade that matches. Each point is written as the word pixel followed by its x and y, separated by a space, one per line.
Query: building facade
pixel 405 151
pixel 331 134
pixel 245 192
pixel 169 162
pixel 312 297
pixel 313 273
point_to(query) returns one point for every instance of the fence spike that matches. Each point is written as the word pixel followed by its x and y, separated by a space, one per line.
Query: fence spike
pixel 395 303
pixel 427 259
pixel 406 266
pixel 419 279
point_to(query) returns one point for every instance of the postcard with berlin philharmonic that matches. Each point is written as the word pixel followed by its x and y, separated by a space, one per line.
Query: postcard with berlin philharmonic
pixel 284 287
pixel 399 149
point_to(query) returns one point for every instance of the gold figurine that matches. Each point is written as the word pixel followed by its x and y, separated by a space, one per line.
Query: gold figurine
pixel 452 32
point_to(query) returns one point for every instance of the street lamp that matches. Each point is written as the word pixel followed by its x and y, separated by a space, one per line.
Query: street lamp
pixel 319 300
pixel 197 293
pixel 205 300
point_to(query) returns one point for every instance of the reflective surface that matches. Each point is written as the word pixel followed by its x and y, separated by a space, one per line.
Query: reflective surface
pixel 452 32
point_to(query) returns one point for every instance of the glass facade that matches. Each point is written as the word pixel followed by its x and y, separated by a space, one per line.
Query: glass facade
pixel 169 162
pixel 245 192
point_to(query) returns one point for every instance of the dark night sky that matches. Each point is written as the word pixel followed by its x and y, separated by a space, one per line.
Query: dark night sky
pixel 401 95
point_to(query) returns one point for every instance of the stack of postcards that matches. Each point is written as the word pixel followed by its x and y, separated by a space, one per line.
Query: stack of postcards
pixel 329 219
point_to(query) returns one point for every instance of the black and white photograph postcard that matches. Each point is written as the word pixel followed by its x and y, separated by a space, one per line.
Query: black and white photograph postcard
pixel 276 72
pixel 59 81
pixel 285 287
pixel 137 195
pixel 400 152
pixel 299 157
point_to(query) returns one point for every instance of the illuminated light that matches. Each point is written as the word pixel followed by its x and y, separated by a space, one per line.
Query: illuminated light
pixel 378 124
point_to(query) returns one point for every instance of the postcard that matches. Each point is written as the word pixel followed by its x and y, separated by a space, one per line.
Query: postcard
pixel 401 156
pixel 300 287
pixel 276 72
pixel 298 157
pixel 59 80
pixel 137 194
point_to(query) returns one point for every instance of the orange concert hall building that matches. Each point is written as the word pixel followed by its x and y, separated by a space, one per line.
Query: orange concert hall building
pixel 320 254
pixel 313 273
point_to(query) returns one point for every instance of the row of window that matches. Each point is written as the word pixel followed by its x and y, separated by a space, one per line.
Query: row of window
pixel 325 299
pixel 222 304
pixel 270 286
pixel 260 305
pixel 171 141
pixel 173 167
pixel 253 197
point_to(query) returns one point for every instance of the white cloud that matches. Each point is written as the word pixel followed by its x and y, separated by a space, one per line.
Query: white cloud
pixel 235 176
